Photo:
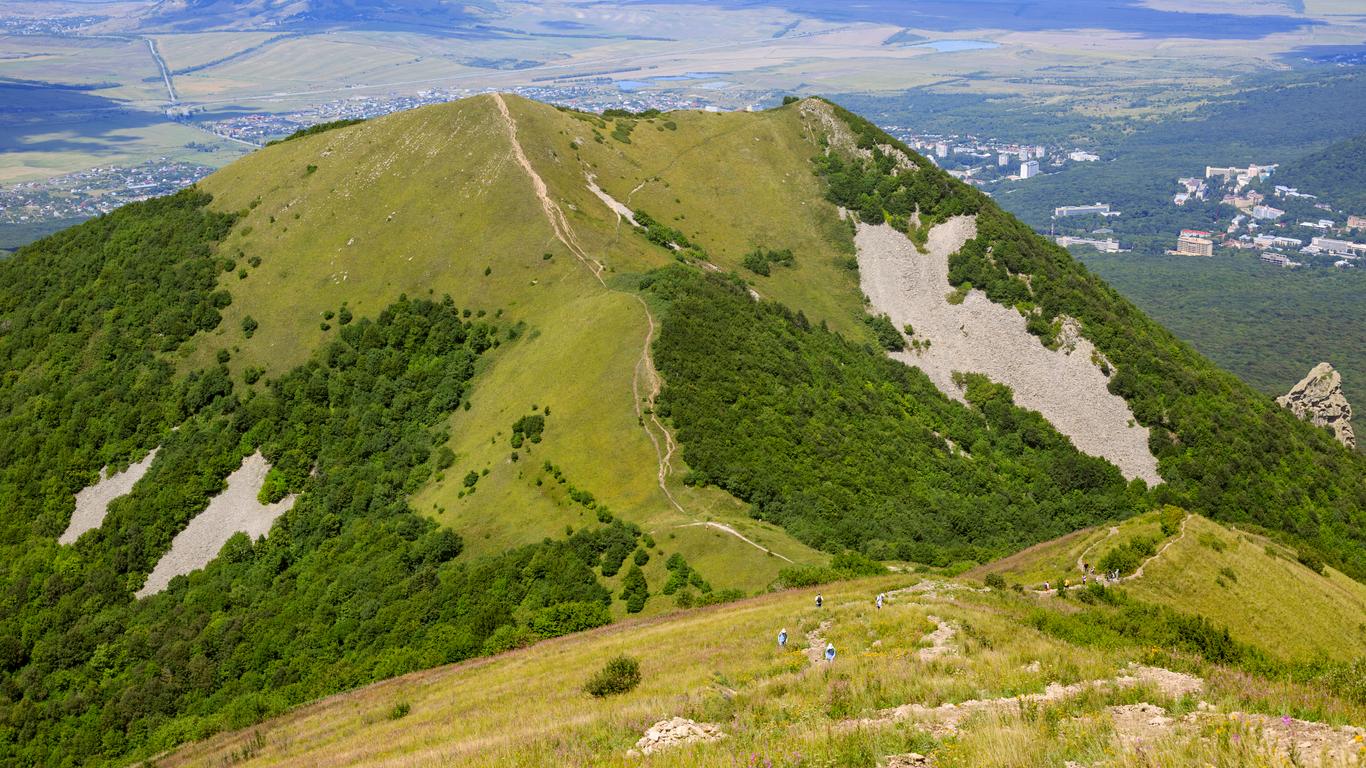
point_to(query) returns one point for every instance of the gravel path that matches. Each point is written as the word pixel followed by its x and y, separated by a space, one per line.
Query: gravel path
pixel 92 503
pixel 940 640
pixel 981 336
pixel 235 509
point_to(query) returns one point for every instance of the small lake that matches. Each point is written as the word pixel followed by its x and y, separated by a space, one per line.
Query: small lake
pixel 951 46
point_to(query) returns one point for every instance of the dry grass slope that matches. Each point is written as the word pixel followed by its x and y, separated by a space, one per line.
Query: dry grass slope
pixel 722 666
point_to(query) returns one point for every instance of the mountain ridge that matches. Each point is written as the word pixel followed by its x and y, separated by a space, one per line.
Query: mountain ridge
pixel 452 364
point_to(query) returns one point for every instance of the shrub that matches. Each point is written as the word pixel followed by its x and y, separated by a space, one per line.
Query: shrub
pixel 1171 518
pixel 634 589
pixel 1128 556
pixel 619 675
pixel 1311 560
pixel 850 564
pixel 400 710
pixel 564 618
pixel 995 581
pixel 887 334
pixel 249 326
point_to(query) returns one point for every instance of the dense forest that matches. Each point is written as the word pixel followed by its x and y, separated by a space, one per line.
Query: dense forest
pixel 1337 174
pixel 1268 324
pixel 1223 449
pixel 351 586
pixel 848 449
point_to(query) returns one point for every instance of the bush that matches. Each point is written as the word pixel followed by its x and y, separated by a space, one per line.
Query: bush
pixel 400 710
pixel 634 589
pixel 1311 560
pixel 1171 518
pixel 995 581
pixel 1128 556
pixel 851 564
pixel 564 618
pixel 887 334
pixel 620 675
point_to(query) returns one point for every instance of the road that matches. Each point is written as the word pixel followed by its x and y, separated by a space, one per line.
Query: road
pixel 165 70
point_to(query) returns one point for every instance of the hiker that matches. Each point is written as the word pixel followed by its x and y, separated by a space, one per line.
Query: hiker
pixel 829 652
pixel 1083 579
pixel 782 638
pixel 1045 586
pixel 879 602
pixel 819 601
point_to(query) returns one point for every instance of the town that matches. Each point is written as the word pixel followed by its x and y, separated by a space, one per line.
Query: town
pixel 592 94
pixel 1288 227
pixel 95 191
pixel 982 161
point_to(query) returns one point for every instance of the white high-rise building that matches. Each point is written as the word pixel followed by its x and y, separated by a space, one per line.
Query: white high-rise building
pixel 1029 170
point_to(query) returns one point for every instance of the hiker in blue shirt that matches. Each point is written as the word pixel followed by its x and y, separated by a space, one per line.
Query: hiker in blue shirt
pixel 829 652
pixel 782 638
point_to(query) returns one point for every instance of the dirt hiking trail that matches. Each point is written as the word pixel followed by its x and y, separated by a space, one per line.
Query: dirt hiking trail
pixel 645 370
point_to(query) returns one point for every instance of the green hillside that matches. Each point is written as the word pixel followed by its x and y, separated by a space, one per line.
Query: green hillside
pixel 1336 173
pixel 1254 587
pixel 506 414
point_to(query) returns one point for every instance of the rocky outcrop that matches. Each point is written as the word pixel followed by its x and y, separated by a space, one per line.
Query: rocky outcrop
pixel 1318 397
pixel 675 732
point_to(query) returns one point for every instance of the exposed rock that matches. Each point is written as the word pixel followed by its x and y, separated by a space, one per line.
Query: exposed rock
pixel 1069 386
pixel 939 640
pixel 1318 397
pixel 675 732
pixel 1139 723
pixel 92 503
pixel 908 760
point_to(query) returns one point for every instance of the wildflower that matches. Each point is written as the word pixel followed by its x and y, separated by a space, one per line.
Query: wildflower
pixel 1285 719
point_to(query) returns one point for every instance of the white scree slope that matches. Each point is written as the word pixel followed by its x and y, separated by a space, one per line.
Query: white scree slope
pixel 235 509
pixel 92 503
pixel 980 336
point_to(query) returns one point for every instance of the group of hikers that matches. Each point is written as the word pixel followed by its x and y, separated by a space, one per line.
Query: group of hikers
pixel 829 646
pixel 1088 576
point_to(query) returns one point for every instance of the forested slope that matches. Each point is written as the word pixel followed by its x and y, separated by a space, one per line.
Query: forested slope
pixel 1337 174
pixel 1223 449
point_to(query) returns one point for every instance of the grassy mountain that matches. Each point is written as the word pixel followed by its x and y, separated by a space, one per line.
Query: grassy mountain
pixel 1256 588
pixel 509 414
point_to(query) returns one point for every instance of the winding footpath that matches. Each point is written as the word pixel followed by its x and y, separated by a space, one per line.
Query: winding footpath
pixel 645 370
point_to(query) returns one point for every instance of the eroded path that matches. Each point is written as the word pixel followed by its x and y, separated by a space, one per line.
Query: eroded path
pixel 645 379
